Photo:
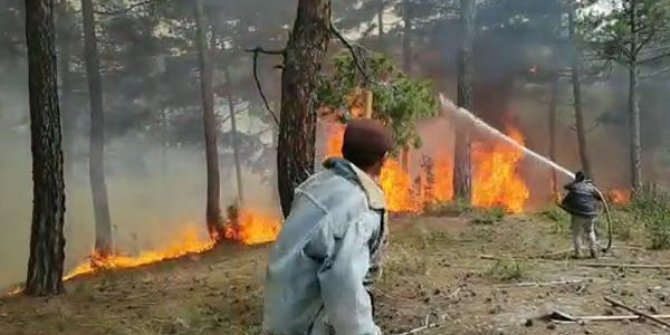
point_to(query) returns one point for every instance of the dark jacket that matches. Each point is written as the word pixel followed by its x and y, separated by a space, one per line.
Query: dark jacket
pixel 582 199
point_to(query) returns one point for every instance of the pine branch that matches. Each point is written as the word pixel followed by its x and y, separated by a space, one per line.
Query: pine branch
pixel 353 52
pixel 256 51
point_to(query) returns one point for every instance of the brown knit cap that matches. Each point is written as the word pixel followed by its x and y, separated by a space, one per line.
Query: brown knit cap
pixel 366 136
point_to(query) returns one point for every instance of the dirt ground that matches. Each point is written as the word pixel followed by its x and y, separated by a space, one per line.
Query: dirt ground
pixel 434 267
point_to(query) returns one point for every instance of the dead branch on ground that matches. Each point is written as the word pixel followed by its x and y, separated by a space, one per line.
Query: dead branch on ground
pixel 635 311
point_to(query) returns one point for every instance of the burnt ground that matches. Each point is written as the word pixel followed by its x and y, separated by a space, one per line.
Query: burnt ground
pixel 434 265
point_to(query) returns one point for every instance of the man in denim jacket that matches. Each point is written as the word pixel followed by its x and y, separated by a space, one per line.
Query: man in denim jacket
pixel 322 267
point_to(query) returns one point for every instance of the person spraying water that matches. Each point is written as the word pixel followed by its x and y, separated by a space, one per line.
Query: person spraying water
pixel 581 191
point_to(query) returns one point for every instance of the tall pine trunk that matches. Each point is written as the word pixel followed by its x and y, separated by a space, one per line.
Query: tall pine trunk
pixel 463 169
pixel 577 94
pixel 553 106
pixel 633 104
pixel 213 211
pixel 407 36
pixel 47 243
pixel 233 130
pixel 103 226
pixel 305 50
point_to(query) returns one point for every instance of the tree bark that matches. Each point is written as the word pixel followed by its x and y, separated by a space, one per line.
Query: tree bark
pixel 407 36
pixel 305 50
pixel 213 211
pixel 577 94
pixel 553 105
pixel 236 150
pixel 103 226
pixel 633 104
pixel 47 243
pixel 463 169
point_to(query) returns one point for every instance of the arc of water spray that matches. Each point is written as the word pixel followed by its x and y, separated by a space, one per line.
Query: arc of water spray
pixel 462 113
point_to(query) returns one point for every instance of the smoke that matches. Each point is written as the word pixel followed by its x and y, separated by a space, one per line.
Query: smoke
pixel 150 202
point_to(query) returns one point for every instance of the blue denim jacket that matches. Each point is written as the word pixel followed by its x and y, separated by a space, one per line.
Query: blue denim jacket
pixel 327 256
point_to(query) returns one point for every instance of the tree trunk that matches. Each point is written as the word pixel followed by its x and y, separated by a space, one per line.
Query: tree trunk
pixel 407 37
pixel 305 51
pixel 577 93
pixel 236 150
pixel 47 243
pixel 213 214
pixel 633 104
pixel 67 108
pixel 380 23
pixel 553 105
pixel 463 169
pixel 103 226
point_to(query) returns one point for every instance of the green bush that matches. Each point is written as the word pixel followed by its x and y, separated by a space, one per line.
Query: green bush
pixel 559 217
pixel 507 270
pixel 451 208
pixel 651 206
pixel 489 216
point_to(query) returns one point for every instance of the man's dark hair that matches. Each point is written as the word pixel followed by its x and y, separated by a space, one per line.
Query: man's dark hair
pixel 363 160
pixel 366 142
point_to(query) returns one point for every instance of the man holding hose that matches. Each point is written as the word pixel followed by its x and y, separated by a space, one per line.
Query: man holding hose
pixel 582 202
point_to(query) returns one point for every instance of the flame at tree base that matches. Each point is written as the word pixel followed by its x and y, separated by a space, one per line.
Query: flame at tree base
pixel 189 241
pixel 248 228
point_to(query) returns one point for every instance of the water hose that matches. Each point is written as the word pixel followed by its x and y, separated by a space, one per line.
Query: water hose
pixel 608 217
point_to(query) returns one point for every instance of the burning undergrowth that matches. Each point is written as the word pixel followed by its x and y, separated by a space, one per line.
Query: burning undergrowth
pixel 496 181
pixel 243 225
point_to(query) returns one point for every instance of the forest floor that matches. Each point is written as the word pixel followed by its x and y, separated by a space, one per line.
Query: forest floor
pixel 434 266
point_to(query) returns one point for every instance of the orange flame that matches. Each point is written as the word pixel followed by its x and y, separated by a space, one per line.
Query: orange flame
pixel 188 241
pixel 619 197
pixel 396 183
pixel 253 228
pixel 496 182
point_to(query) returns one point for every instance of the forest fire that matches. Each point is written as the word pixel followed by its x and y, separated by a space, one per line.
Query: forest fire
pixel 619 197
pixel 188 241
pixel 496 182
pixel 249 228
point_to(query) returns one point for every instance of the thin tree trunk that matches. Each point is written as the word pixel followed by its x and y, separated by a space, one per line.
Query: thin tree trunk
pixel 380 24
pixel 214 221
pixel 633 104
pixel 164 143
pixel 103 226
pixel 553 105
pixel 305 51
pixel 407 37
pixel 47 243
pixel 236 150
pixel 463 170
pixel 577 93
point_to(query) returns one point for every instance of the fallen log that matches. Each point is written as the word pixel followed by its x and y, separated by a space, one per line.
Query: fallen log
pixel 627 266
pixel 541 284
pixel 635 311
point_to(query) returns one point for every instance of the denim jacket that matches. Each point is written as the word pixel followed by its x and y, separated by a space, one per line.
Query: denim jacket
pixel 327 256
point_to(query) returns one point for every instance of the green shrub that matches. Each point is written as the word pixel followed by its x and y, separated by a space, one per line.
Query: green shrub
pixel 560 219
pixel 507 270
pixel 451 208
pixel 488 216
pixel 651 206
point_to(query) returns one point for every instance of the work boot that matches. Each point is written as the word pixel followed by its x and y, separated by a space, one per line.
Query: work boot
pixel 576 255
pixel 594 253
